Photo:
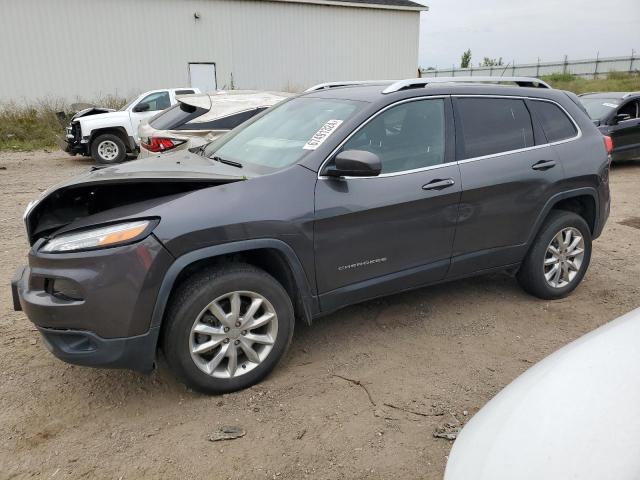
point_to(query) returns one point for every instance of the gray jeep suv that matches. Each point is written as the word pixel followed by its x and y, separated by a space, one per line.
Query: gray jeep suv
pixel 339 195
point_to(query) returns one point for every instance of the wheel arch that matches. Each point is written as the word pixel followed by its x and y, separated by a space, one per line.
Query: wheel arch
pixel 582 201
pixel 274 256
pixel 120 132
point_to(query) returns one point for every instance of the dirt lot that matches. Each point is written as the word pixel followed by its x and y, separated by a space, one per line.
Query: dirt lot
pixel 424 357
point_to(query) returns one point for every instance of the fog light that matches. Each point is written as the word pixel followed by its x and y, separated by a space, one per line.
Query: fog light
pixel 64 289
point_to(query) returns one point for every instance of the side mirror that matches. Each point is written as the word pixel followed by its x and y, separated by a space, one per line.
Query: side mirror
pixel 142 107
pixel 355 163
pixel 621 117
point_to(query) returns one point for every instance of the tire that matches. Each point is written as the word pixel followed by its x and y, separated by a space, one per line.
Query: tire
pixel 108 149
pixel 539 262
pixel 189 311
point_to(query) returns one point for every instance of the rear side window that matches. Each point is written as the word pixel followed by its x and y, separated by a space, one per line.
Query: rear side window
pixel 492 125
pixel 224 123
pixel 555 123
pixel 176 116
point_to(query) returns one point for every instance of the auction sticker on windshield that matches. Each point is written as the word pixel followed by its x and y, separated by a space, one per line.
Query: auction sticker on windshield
pixel 321 135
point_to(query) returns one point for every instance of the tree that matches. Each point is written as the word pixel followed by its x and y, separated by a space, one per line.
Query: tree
pixel 491 62
pixel 465 61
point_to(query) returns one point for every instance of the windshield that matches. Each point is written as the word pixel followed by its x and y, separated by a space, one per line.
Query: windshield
pixel 283 135
pixel 598 108
pixel 175 116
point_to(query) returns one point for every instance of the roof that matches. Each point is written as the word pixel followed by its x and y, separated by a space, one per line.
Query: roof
pixel 382 4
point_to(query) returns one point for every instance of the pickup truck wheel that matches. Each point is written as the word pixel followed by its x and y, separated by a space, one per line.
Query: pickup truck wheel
pixel 559 257
pixel 108 149
pixel 227 328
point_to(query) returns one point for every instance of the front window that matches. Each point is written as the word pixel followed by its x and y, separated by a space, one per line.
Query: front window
pixel 599 108
pixel 156 101
pixel 408 136
pixel 284 134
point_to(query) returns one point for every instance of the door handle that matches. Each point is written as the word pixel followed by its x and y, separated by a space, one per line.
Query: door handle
pixel 544 165
pixel 439 184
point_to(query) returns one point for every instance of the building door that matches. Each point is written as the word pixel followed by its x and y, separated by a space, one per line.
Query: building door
pixel 203 76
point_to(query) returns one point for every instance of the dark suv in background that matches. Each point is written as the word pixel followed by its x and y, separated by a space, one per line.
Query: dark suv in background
pixel 336 196
pixel 617 114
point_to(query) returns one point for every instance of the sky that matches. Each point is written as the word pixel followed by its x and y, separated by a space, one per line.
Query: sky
pixel 523 30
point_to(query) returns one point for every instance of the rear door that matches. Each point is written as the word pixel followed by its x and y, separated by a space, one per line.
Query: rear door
pixel 626 133
pixel 508 170
pixel 376 235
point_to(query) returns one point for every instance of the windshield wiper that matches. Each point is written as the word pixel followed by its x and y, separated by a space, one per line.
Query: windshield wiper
pixel 226 162
pixel 200 150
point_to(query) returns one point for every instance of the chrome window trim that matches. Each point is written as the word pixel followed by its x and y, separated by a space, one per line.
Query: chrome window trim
pixel 526 149
pixel 363 124
pixel 466 160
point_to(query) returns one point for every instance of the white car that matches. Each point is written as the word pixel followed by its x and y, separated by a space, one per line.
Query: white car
pixel 108 135
pixel 574 415
pixel 199 119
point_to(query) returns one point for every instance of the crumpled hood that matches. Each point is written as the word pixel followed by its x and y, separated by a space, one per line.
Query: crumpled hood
pixel 139 181
pixel 116 118
pixel 91 111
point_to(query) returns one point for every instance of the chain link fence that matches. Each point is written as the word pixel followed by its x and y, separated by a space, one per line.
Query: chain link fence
pixel 586 68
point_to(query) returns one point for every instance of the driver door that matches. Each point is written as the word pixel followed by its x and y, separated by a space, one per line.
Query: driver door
pixel 377 235
pixel 148 107
pixel 626 133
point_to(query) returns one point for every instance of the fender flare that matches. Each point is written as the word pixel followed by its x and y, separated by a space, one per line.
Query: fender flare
pixel 591 191
pixel 307 298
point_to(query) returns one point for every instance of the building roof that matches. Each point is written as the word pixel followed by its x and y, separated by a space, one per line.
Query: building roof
pixel 383 4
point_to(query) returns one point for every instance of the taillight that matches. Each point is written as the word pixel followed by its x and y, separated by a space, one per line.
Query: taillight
pixel 159 144
pixel 608 143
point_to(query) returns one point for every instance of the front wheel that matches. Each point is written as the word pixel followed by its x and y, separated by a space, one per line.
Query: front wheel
pixel 559 257
pixel 227 328
pixel 108 149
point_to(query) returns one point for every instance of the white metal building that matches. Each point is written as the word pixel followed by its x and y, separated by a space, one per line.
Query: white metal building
pixel 87 49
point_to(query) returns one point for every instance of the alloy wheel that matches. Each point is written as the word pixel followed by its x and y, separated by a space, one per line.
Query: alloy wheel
pixel 233 334
pixel 563 258
pixel 108 150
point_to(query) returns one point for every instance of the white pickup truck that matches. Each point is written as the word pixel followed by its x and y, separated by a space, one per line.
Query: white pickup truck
pixel 108 136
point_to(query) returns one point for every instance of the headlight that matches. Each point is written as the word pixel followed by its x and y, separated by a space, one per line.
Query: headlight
pixel 102 237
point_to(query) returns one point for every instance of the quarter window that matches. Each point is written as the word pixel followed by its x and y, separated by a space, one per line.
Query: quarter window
pixel 493 125
pixel 555 123
pixel 405 137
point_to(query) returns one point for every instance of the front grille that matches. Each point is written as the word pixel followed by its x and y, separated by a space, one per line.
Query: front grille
pixel 76 131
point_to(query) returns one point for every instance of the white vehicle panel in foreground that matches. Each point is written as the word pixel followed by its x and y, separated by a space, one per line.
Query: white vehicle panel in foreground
pixel 574 415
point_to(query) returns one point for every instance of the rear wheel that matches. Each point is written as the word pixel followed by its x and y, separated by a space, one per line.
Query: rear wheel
pixel 107 149
pixel 559 257
pixel 227 328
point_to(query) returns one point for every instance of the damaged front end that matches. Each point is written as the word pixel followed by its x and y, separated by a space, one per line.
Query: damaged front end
pixel 71 142
pixel 120 192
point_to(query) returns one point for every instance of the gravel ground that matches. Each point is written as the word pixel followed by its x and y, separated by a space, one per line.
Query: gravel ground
pixel 359 395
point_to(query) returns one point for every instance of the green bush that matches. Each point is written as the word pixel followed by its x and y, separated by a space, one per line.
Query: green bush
pixel 35 126
pixel 561 77
pixel 614 82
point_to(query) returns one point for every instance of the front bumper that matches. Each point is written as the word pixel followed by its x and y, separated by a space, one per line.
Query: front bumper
pixel 72 142
pixel 94 308
pixel 88 349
